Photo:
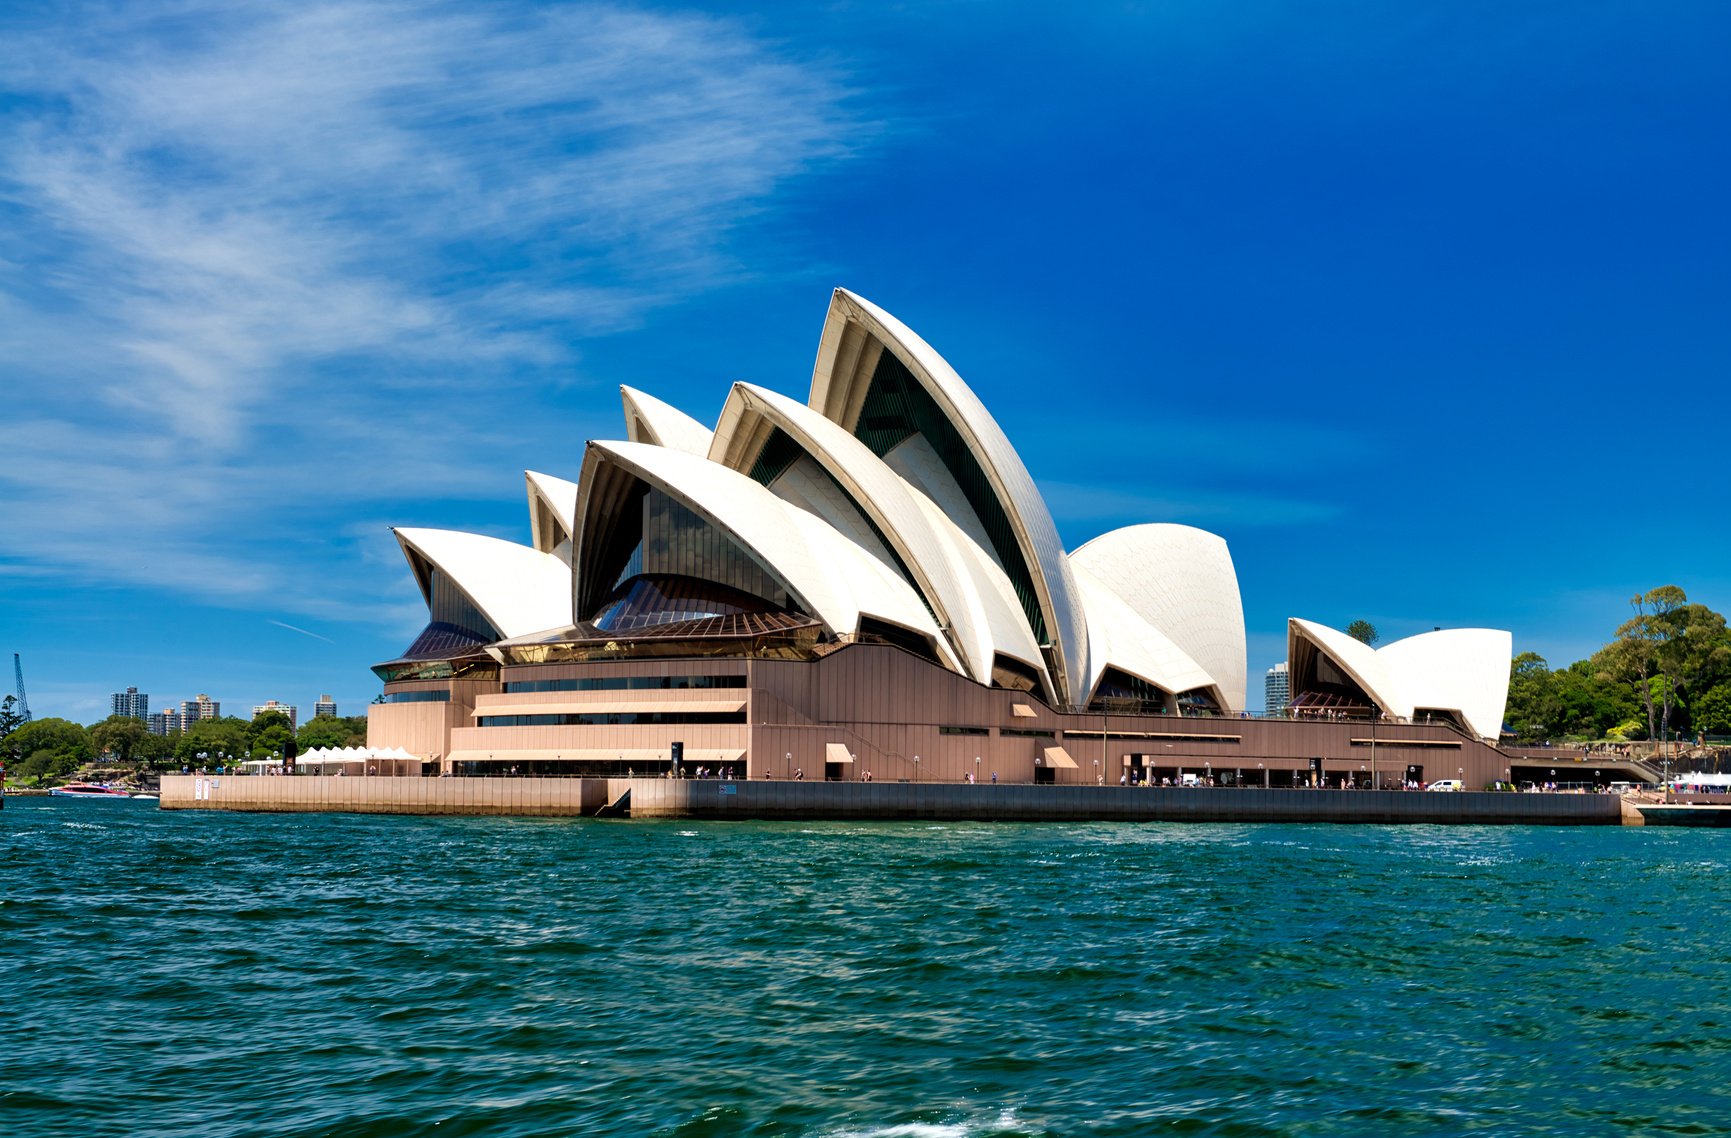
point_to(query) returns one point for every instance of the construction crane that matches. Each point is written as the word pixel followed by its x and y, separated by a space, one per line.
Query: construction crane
pixel 23 703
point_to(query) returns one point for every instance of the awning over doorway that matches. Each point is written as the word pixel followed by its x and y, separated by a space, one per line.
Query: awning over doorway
pixel 1059 757
pixel 836 753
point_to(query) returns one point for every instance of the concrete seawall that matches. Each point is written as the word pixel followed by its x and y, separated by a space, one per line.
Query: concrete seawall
pixel 569 797
pixel 663 798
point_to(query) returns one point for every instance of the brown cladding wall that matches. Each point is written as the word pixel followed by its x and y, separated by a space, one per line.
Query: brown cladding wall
pixel 887 706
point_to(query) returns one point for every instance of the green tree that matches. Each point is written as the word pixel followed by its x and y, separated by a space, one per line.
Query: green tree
pixel 1534 709
pixel 1592 697
pixel 1711 714
pixel 156 751
pixel 1634 653
pixel 332 731
pixel 10 717
pixel 64 745
pixel 1668 649
pixel 1364 631
pixel 212 742
pixel 119 736
pixel 268 733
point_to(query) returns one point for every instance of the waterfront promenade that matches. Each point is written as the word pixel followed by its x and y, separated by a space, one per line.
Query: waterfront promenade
pixel 780 799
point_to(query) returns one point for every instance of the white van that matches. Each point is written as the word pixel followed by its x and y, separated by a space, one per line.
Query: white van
pixel 1447 784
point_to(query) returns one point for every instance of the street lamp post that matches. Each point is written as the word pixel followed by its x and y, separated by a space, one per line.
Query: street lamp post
pixel 1262 773
pixel 976 770
pixel 916 768
pixel 787 771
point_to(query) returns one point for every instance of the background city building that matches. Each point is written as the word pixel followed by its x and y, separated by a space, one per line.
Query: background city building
pixel 287 709
pixel 1277 691
pixel 325 706
pixel 165 722
pixel 200 707
pixel 131 702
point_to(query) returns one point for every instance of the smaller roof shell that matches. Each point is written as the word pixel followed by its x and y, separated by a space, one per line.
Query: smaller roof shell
pixel 1180 580
pixel 1461 670
pixel 518 589
pixel 1119 638
pixel 831 577
pixel 650 420
pixel 551 504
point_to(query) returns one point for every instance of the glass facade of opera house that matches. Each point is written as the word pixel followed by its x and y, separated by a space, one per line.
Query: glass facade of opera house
pixel 868 585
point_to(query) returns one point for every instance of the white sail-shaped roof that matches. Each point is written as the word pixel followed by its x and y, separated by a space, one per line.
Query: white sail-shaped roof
pixel 1119 638
pixel 749 416
pixel 996 616
pixel 855 333
pixel 829 576
pixel 1464 671
pixel 1180 580
pixel 1355 659
pixel 649 420
pixel 518 589
pixel 551 502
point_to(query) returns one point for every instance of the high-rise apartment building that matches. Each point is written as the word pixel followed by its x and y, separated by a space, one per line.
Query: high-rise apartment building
pixel 325 706
pixel 165 722
pixel 131 702
pixel 192 710
pixel 287 709
pixel 1277 690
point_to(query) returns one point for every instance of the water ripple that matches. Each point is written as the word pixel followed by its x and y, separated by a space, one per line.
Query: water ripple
pixel 298 975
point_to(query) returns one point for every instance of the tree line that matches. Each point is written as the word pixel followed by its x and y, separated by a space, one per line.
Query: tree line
pixel 1665 675
pixel 50 749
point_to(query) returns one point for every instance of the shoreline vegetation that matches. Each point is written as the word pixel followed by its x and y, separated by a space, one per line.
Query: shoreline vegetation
pixel 119 749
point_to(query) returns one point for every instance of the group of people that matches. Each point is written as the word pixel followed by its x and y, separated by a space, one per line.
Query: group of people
pixel 723 773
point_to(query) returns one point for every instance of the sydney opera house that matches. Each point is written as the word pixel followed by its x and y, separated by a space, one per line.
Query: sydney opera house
pixel 869 585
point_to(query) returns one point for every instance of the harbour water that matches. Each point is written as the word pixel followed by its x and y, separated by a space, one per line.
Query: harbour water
pixel 195 974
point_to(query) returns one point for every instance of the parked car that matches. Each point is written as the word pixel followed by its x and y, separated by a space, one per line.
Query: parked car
pixel 1447 784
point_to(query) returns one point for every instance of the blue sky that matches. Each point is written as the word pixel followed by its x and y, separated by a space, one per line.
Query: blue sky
pixel 1423 306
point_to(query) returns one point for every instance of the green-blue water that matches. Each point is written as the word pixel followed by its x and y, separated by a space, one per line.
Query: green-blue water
pixel 209 974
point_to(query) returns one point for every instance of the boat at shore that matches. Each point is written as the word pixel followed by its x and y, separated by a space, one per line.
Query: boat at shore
pixel 88 790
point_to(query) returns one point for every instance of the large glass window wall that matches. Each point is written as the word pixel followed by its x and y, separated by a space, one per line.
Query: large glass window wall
pixel 441 696
pixel 680 567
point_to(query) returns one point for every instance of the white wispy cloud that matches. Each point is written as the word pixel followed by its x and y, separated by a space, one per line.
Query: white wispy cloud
pixel 263 264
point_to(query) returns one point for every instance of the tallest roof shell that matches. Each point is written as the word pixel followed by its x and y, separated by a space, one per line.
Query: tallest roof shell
pixel 855 334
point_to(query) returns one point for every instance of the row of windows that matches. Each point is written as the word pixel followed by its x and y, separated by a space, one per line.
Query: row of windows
pixel 613 719
pixel 626 683
pixel 442 696
pixel 1024 733
pixel 964 730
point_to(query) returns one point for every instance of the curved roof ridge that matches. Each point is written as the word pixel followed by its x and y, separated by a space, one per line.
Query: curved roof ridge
pixel 519 589
pixel 1358 660
pixel 655 421
pixel 839 383
pixel 551 500
pixel 876 489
